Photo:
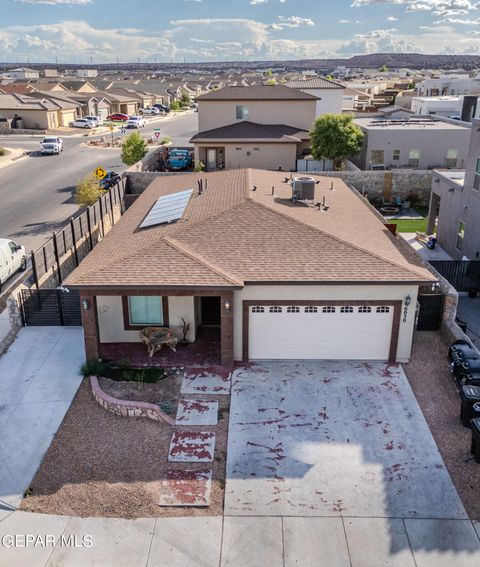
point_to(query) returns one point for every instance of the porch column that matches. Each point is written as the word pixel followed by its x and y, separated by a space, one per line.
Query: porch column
pixel 226 321
pixel 90 326
pixel 432 212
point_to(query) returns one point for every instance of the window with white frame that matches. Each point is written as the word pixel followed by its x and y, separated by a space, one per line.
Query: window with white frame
pixel 242 112
pixel 451 158
pixel 275 309
pixel 364 309
pixel 414 158
pixel 383 309
pixel 346 309
pixel 258 309
pixel 311 309
pixel 476 178
pixel 145 310
pixel 396 155
pixel 329 309
pixel 293 309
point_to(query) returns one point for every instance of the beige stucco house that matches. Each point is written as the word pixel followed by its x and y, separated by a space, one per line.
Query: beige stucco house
pixel 260 126
pixel 318 278
pixel 36 114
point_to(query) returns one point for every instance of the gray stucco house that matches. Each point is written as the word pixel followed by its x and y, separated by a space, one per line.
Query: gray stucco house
pixel 455 204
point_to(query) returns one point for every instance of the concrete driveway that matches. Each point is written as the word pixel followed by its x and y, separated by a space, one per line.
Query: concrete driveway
pixel 39 376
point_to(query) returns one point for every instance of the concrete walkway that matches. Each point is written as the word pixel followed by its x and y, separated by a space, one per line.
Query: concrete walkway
pixel 39 376
pixel 438 253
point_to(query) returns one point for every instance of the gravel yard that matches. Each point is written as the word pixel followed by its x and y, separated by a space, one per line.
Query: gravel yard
pixel 100 464
pixel 436 392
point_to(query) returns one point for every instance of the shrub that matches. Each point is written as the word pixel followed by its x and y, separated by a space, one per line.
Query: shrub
pixel 166 141
pixel 3 151
pixel 174 105
pixel 134 149
pixel 88 191
pixel 199 166
pixel 93 367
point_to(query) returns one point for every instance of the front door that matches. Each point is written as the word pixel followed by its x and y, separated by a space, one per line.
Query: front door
pixel 211 159
pixel 210 307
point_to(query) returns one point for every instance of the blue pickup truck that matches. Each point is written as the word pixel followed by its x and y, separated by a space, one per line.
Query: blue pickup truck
pixel 180 159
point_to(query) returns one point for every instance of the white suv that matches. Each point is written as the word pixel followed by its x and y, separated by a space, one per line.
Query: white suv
pixel 51 145
pixel 98 121
pixel 83 123
pixel 149 110
pixel 136 122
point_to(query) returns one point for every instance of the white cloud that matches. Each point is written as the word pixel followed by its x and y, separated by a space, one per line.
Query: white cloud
pixel 392 19
pixel 290 22
pixel 256 2
pixel 55 2
pixel 436 7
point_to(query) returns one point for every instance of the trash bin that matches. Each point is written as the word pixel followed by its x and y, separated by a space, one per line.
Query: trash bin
pixel 475 447
pixel 470 395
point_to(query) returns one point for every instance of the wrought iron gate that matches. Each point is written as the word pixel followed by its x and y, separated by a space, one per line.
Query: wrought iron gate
pixel 431 312
pixel 51 307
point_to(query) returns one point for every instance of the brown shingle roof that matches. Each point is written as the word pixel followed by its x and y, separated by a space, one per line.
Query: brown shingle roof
pixel 258 92
pixel 231 235
pixel 252 131
pixel 315 83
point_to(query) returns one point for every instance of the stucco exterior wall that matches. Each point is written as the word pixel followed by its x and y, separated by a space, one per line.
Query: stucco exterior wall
pixel 35 119
pixel 330 100
pixel 110 319
pixel 217 113
pixel 258 156
pixel 327 292
pixel 432 155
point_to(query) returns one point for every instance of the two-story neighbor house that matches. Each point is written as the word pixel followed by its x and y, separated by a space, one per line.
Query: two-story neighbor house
pixel 455 202
pixel 264 126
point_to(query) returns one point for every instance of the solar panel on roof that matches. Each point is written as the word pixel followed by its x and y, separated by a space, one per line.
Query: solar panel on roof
pixel 168 208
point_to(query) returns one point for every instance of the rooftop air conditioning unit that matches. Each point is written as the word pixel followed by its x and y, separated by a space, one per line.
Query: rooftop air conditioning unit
pixel 303 188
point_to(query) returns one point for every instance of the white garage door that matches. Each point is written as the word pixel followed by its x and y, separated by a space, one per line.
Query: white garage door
pixel 320 332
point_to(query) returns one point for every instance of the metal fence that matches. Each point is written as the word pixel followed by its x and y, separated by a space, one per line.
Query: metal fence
pixel 51 307
pixel 464 275
pixel 62 253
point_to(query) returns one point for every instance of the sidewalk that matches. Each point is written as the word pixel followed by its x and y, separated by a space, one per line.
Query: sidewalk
pixel 14 156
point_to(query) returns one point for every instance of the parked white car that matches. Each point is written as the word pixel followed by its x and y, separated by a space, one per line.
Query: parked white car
pixel 98 121
pixel 149 110
pixel 52 145
pixel 12 259
pixel 136 122
pixel 83 123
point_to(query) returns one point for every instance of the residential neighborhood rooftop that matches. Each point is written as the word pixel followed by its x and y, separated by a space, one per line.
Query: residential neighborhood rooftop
pixel 253 131
pixel 258 92
pixel 315 83
pixel 236 232
pixel 417 123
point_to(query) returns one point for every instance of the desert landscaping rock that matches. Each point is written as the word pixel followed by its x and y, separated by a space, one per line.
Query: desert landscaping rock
pixel 192 447
pixel 197 412
pixel 206 380
pixel 186 488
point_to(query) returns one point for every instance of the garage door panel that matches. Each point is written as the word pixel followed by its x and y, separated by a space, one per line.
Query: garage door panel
pixel 331 336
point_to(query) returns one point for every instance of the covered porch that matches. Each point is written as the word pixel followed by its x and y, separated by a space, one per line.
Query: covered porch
pixel 112 321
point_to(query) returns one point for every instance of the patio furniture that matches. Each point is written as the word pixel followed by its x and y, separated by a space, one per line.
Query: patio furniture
pixel 156 337
pixel 406 205
pixel 397 201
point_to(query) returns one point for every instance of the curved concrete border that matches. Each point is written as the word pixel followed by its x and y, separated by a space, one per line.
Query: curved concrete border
pixel 128 408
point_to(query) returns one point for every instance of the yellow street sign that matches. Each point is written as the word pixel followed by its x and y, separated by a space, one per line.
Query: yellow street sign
pixel 100 172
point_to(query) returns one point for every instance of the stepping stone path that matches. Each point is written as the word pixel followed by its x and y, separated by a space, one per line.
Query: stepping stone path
pixel 186 488
pixel 192 447
pixel 197 412
pixel 206 380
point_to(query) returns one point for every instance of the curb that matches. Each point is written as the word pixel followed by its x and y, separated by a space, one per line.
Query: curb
pixel 125 408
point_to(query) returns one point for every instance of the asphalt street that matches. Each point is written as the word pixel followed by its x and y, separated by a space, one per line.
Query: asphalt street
pixel 37 194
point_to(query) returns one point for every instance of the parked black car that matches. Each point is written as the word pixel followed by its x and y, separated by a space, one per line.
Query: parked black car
pixel 161 107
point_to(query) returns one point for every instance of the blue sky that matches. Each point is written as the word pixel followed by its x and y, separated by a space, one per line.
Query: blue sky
pixel 202 30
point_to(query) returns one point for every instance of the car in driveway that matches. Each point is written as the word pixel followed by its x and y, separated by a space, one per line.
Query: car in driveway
pixel 149 110
pixel 98 121
pixel 162 107
pixel 118 117
pixel 109 180
pixel 51 145
pixel 136 122
pixel 180 159
pixel 12 259
pixel 83 123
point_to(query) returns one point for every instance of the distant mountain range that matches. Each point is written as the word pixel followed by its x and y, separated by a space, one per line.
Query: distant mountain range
pixel 374 60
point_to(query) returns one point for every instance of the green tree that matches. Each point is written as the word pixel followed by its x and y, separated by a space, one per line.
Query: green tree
pixel 185 100
pixel 134 149
pixel 88 191
pixel 383 69
pixel 335 136
pixel 269 73
pixel 174 105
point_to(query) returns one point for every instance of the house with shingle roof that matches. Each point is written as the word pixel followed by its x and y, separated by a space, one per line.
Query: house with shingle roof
pixel 329 93
pixel 264 126
pixel 278 267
